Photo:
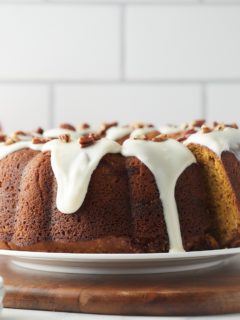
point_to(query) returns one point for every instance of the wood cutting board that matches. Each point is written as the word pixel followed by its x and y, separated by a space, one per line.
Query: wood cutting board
pixel 212 291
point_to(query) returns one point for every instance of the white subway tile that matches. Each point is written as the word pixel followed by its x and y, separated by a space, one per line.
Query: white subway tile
pixel 126 103
pixel 183 42
pixel 223 103
pixel 24 107
pixel 59 41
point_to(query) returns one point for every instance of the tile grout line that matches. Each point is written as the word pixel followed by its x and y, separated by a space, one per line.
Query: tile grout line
pixel 118 81
pixel 124 2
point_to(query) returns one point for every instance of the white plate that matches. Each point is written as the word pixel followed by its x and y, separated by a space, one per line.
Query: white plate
pixel 118 263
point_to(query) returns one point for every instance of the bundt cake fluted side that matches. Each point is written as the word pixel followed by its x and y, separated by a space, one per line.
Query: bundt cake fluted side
pixel 102 224
pixel 11 169
pixel 126 207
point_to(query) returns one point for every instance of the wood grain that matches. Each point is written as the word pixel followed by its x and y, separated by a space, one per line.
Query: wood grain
pixel 215 291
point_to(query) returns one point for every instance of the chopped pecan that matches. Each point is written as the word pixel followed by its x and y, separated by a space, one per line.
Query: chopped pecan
pixel 37 140
pixel 11 140
pixel 39 130
pixel 96 136
pixel 160 138
pixel 84 126
pixel 3 137
pixel 105 126
pixel 198 123
pixel 232 125
pixel 185 134
pixel 67 126
pixel 220 127
pixel 21 133
pixel 190 131
pixel 205 129
pixel 152 134
pixel 65 138
pixel 182 138
pixel 87 140
pixel 138 125
pixel 141 137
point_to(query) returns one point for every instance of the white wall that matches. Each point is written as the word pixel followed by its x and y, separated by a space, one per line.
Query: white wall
pixel 96 60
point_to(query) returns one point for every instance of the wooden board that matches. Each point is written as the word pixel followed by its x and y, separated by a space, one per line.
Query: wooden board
pixel 215 291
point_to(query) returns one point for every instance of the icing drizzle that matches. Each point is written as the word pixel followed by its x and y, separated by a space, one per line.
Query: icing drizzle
pixel 166 160
pixel 218 141
pixel 7 149
pixel 141 131
pixel 116 133
pixel 73 167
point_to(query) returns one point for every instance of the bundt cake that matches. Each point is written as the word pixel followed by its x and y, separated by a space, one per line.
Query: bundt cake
pixel 131 189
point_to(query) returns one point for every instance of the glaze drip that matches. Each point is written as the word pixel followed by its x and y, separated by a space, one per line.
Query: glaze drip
pixel 7 149
pixel 167 161
pixel 218 141
pixel 73 167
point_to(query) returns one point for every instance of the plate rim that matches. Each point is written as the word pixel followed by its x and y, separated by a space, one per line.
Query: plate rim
pixel 117 256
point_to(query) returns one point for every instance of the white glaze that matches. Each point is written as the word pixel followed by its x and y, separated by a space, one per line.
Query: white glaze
pixel 7 149
pixel 166 160
pixel 73 167
pixel 116 133
pixel 169 129
pixel 27 137
pixel 56 132
pixel 218 141
pixel 141 131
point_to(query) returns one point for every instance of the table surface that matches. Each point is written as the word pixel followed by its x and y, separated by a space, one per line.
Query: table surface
pixel 14 314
